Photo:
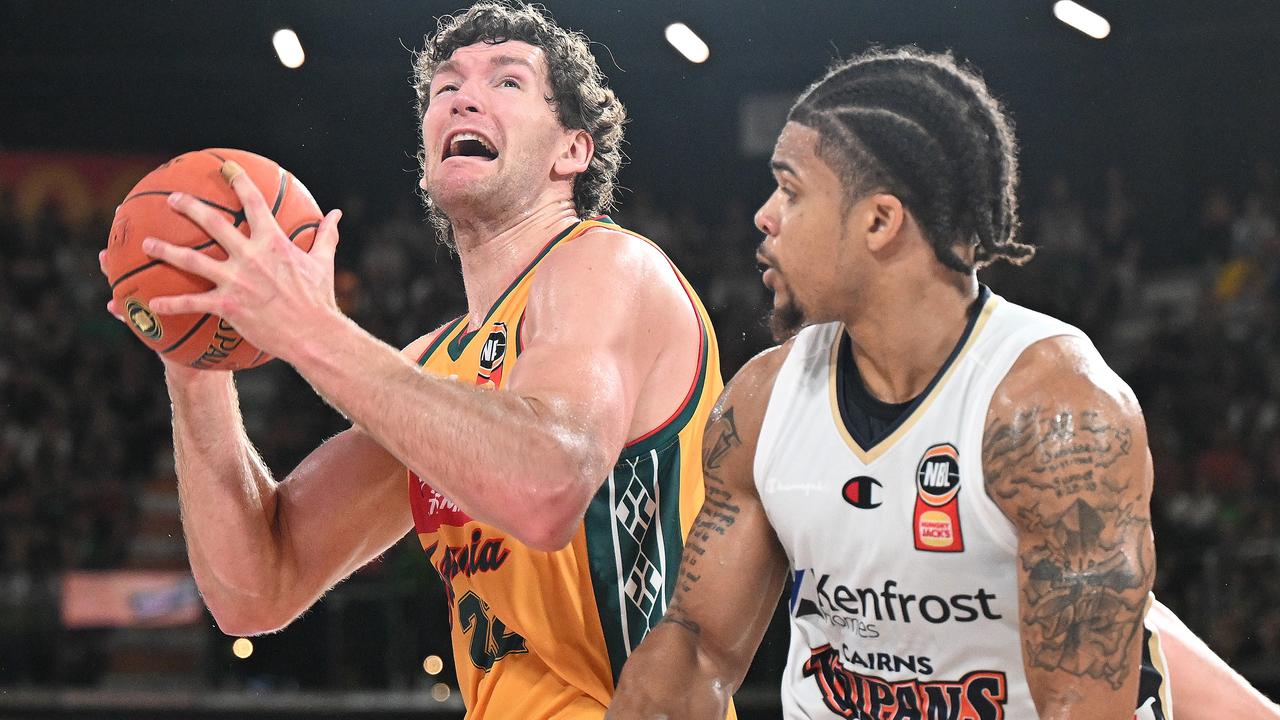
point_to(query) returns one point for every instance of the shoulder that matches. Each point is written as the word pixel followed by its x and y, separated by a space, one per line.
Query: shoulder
pixel 746 396
pixel 610 276
pixel 1064 423
pixel 414 350
pixel 1064 369
pixel 627 259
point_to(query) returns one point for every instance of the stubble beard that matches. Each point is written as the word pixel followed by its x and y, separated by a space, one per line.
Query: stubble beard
pixel 787 319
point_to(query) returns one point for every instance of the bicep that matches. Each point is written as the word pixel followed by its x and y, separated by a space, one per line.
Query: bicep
pixel 594 325
pixel 1066 461
pixel 345 504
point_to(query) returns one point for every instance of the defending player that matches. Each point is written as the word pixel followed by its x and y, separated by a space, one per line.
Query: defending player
pixel 555 509
pixel 959 486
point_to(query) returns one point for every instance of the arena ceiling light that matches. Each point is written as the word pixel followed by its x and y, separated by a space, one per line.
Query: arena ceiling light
pixel 288 48
pixel 1082 18
pixel 687 43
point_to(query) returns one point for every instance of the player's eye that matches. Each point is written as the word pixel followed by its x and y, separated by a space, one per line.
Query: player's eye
pixel 444 87
pixel 510 83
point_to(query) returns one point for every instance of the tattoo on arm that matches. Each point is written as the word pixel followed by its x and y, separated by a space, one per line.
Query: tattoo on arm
pixel 676 617
pixel 718 509
pixel 1088 562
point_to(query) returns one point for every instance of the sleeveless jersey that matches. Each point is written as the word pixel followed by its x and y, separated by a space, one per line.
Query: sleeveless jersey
pixel 904 599
pixel 544 634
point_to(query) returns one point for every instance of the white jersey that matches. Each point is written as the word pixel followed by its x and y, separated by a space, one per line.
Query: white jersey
pixel 905 598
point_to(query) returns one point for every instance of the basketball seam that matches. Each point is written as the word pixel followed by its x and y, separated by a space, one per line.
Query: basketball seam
pixel 150 264
pixel 192 331
pixel 284 177
pixel 303 227
pixel 210 203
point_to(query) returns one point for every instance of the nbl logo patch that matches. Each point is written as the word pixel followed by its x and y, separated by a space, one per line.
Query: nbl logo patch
pixel 492 356
pixel 937 512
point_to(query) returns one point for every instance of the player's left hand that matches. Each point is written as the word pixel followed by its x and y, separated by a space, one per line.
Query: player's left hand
pixel 270 291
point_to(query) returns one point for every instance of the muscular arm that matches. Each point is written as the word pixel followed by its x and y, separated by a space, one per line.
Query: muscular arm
pixel 1065 457
pixel 694 660
pixel 261 550
pixel 601 310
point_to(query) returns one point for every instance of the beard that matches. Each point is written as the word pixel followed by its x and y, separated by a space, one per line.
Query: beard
pixel 785 321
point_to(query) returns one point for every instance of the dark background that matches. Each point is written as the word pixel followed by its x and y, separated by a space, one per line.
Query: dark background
pixel 1149 163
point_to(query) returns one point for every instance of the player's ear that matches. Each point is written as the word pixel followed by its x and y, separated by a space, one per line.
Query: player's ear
pixel 575 154
pixel 882 217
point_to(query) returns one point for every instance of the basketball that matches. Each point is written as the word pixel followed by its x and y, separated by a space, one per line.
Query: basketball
pixel 201 341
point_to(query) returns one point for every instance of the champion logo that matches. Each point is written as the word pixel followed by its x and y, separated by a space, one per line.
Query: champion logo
pixel 862 492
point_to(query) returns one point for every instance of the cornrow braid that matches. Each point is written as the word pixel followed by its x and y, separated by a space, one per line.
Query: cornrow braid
pixel 922 127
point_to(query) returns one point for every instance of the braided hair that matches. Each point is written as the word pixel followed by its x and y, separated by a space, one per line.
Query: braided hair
pixel 923 128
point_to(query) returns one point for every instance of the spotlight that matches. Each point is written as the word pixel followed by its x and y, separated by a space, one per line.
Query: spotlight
pixel 1082 18
pixel 687 42
pixel 288 48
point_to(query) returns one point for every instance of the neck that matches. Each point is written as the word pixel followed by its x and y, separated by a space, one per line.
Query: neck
pixel 904 334
pixel 492 253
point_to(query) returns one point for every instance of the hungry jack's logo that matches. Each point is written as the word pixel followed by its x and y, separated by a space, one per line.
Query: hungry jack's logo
pixel 979 695
pixel 492 355
pixel 937 514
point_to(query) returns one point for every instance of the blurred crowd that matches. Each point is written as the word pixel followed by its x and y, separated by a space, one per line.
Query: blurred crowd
pixel 1189 321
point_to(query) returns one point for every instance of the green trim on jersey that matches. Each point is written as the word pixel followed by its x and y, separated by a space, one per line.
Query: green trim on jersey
pixel 633 546
pixel 667 432
pixel 459 343
pixel 444 333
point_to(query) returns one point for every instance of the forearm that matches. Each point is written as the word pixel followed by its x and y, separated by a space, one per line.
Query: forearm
pixel 671 676
pixel 504 459
pixel 1204 687
pixel 226 494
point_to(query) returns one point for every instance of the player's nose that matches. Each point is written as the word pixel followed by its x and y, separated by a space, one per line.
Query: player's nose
pixel 464 102
pixel 765 220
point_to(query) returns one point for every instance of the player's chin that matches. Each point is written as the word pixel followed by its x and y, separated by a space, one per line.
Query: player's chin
pixel 458 187
pixel 786 318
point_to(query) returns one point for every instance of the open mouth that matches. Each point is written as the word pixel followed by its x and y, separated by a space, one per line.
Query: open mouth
pixel 469 144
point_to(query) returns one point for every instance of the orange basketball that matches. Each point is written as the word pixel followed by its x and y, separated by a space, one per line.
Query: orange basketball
pixel 201 341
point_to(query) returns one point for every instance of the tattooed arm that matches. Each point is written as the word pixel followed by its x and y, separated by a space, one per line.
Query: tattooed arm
pixel 1065 458
pixel 730 577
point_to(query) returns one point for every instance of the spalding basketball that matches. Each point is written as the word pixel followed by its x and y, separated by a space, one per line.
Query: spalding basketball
pixel 201 341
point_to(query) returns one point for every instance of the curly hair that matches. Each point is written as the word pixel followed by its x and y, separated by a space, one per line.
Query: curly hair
pixel 579 95
pixel 927 130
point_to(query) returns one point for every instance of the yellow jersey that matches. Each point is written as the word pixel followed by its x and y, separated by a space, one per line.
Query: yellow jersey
pixel 539 635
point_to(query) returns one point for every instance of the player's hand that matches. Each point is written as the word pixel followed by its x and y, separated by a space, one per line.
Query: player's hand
pixel 177 370
pixel 111 304
pixel 270 291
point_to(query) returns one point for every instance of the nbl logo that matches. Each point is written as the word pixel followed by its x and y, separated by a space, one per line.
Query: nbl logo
pixel 492 356
pixel 937 514
pixel 938 475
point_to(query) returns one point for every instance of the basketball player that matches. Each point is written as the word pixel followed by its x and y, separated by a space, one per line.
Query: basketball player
pixel 958 486
pixel 555 508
